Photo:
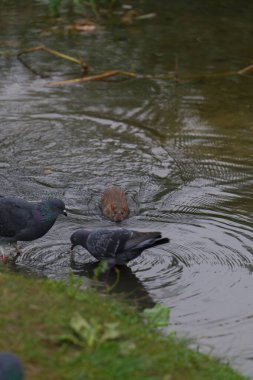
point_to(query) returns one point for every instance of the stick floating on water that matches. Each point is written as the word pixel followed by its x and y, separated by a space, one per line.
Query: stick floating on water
pixel 172 76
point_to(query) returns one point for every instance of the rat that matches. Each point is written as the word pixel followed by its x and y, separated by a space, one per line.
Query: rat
pixel 114 204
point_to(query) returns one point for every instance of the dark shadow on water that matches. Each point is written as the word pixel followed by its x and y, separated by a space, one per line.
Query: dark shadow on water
pixel 120 280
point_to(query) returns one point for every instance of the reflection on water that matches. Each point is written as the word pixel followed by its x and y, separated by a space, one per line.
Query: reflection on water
pixel 115 280
pixel 183 153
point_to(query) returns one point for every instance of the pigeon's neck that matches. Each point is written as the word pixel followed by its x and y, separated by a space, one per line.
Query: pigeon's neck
pixel 44 213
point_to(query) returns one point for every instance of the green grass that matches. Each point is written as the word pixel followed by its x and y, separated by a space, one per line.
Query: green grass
pixel 35 323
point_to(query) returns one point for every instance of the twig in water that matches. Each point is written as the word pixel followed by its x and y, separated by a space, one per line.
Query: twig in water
pixel 246 70
pixel 79 62
pixel 174 76
pixel 91 78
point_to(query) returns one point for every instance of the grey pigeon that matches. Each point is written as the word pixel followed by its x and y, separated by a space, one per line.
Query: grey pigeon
pixel 21 220
pixel 10 367
pixel 116 246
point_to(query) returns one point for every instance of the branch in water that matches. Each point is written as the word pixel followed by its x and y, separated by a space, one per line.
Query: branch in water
pixel 79 62
pixel 173 76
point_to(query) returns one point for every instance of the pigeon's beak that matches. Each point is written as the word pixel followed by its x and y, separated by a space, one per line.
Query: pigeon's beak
pixel 65 213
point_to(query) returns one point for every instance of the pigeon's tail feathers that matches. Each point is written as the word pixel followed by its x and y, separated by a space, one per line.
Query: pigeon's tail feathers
pixel 144 240
pixel 139 240
pixel 154 235
pixel 159 242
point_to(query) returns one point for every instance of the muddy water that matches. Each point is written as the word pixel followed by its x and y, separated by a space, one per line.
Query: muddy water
pixel 183 152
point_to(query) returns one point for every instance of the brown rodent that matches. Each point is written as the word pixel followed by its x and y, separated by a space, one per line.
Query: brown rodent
pixel 114 204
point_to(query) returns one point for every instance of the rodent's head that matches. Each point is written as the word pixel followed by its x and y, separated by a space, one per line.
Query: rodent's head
pixel 119 213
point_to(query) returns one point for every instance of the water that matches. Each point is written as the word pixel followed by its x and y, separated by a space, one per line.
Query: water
pixel 182 151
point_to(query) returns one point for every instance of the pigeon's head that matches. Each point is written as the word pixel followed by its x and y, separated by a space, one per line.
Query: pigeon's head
pixel 56 206
pixel 79 238
pixel 10 367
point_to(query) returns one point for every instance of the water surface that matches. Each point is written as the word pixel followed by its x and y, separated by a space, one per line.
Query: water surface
pixel 182 151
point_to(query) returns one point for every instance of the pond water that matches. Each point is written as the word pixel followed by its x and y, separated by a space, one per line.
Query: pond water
pixel 182 151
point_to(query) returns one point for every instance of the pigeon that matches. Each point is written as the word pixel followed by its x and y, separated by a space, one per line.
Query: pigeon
pixel 116 246
pixel 10 367
pixel 21 220
pixel 114 204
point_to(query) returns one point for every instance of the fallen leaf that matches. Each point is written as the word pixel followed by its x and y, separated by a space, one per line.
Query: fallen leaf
pixel 157 316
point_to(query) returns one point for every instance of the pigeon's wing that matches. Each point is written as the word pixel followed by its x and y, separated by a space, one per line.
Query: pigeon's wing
pixel 106 243
pixel 140 240
pixel 15 214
